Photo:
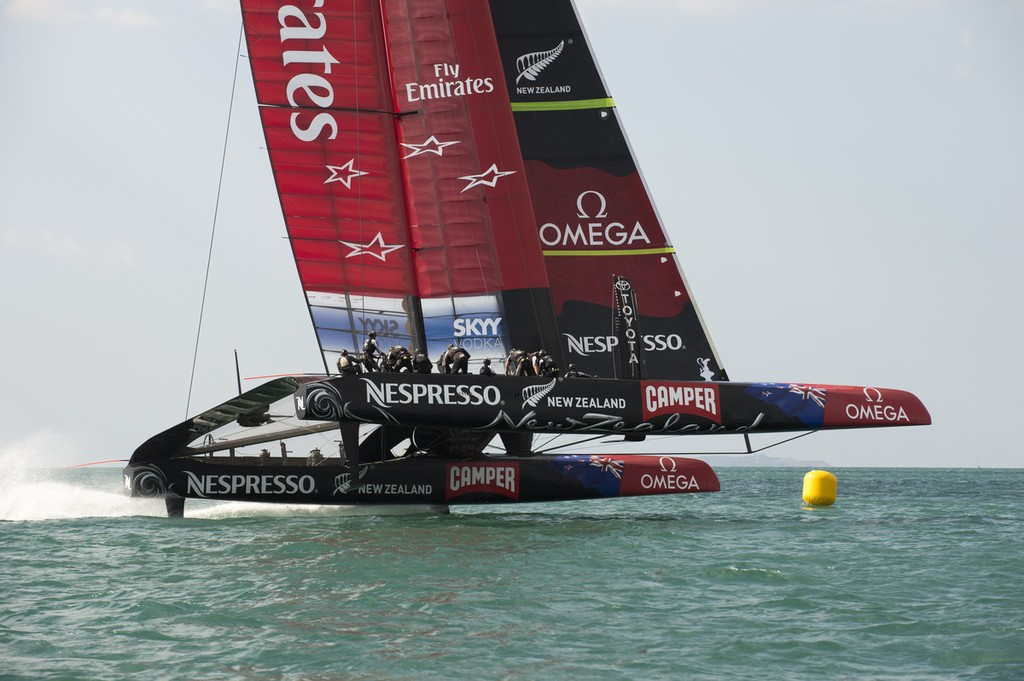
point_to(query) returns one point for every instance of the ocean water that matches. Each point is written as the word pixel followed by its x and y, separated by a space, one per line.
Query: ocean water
pixel 913 574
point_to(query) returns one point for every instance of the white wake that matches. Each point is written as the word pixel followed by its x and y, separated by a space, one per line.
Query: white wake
pixel 49 494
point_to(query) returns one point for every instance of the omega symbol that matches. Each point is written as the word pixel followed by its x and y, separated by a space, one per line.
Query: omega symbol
pixel 602 211
pixel 872 394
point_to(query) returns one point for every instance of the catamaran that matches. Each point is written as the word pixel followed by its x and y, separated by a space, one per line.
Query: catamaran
pixel 453 173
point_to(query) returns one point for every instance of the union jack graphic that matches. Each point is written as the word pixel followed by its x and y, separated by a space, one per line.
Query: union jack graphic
pixel 804 402
pixel 600 473
pixel 608 465
pixel 807 392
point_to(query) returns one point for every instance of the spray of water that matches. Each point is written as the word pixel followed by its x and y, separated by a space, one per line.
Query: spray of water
pixel 33 488
pixel 43 494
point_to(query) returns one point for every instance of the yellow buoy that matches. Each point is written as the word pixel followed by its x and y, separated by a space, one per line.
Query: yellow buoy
pixel 820 488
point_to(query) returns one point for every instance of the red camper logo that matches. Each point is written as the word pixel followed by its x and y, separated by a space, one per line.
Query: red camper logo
pixel 482 478
pixel 696 399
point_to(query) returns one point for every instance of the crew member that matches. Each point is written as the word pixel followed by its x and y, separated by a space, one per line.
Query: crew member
pixel 421 363
pixel 544 365
pixel 455 360
pixel 573 372
pixel 486 369
pixel 370 352
pixel 537 361
pixel 518 364
pixel 347 366
pixel 398 359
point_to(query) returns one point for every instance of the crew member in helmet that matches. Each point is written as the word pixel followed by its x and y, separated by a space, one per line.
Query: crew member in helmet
pixel 348 366
pixel 486 369
pixel 370 353
pixel 455 360
pixel 536 361
pixel 517 364
pixel 398 359
pixel 573 372
pixel 421 363
pixel 544 365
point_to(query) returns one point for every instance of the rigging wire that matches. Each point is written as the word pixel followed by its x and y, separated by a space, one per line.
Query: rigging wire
pixel 216 210
pixel 546 448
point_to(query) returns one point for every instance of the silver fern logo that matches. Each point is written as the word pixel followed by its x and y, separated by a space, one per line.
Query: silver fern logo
pixel 343 482
pixel 530 65
pixel 535 393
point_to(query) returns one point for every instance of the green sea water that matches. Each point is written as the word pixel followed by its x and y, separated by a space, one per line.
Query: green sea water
pixel 913 574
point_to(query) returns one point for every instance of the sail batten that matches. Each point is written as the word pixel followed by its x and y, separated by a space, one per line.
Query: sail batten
pixel 568 105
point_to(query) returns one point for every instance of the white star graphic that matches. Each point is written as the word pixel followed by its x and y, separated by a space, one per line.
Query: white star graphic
pixel 344 174
pixel 377 248
pixel 488 177
pixel 431 146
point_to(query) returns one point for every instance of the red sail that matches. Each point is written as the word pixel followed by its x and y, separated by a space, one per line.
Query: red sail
pixel 325 105
pixel 399 173
pixel 467 192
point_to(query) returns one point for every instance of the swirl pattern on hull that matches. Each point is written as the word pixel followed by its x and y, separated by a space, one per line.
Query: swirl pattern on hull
pixel 322 403
pixel 148 481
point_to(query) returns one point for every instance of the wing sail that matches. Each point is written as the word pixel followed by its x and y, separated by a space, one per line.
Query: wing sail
pixel 399 173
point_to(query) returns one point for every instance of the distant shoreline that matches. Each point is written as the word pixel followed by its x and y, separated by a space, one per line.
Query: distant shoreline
pixel 759 461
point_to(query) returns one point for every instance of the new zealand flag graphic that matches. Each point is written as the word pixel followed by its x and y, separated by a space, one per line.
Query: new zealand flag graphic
pixel 805 402
pixel 602 473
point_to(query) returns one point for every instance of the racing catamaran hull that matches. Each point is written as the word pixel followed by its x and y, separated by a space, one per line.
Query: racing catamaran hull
pixel 430 431
pixel 421 480
pixel 611 406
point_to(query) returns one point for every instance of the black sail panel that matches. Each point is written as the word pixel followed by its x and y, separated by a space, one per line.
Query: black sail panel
pixel 594 216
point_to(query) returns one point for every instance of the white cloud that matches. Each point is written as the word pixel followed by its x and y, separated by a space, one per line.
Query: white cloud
pixel 58 246
pixel 225 6
pixel 119 253
pixel 42 10
pixel 125 17
pixel 731 7
pixel 65 11
pixel 704 7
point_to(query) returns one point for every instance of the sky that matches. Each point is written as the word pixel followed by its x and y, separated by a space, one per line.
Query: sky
pixel 843 182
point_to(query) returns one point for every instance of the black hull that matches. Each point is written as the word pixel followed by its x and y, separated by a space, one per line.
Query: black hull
pixel 613 406
pixel 445 422
pixel 421 480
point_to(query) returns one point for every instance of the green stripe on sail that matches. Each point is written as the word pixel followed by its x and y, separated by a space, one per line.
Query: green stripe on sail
pixel 603 103
pixel 634 251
